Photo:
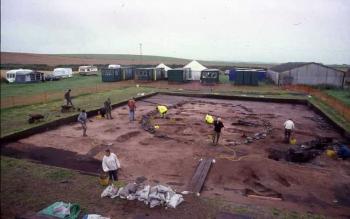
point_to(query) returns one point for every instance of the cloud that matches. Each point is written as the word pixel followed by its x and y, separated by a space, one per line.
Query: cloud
pixel 231 30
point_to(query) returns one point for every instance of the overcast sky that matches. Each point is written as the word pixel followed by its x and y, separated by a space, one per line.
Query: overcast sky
pixel 227 30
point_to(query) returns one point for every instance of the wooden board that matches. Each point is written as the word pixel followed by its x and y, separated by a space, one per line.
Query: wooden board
pixel 198 178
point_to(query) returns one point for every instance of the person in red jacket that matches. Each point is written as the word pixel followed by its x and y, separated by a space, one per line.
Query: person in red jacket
pixel 132 108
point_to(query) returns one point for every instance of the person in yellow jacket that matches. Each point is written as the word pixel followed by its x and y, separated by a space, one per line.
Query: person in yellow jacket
pixel 162 110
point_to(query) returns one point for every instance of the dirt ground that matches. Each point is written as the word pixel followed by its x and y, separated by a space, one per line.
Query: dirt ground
pixel 171 155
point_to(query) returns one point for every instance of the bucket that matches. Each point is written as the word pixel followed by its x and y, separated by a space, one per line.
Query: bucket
pixel 331 153
pixel 293 141
pixel 104 179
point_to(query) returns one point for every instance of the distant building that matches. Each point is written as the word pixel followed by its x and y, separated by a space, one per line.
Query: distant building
pixel 347 79
pixel 308 73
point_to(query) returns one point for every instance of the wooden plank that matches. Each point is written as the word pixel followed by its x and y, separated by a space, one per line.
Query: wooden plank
pixel 198 179
pixel 265 197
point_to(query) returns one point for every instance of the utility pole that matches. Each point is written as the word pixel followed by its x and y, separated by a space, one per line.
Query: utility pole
pixel 140 44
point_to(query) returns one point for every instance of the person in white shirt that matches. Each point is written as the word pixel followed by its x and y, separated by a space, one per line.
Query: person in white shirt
pixel 288 128
pixel 111 164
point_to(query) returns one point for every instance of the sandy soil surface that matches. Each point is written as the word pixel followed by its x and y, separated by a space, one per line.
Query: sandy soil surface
pixel 171 155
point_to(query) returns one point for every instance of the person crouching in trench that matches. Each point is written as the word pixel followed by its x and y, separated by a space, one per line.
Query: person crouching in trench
pixel 110 165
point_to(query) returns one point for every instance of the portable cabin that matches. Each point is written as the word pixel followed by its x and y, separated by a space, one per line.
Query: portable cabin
pixel 179 75
pixel 11 75
pixel 62 72
pixel 210 76
pixel 149 74
pixel 196 69
pixel 242 76
pixel 117 74
pixel 30 76
pixel 88 70
pixel 128 73
pixel 111 74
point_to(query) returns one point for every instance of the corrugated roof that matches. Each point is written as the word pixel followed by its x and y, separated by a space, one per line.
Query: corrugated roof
pixel 288 66
pixel 291 65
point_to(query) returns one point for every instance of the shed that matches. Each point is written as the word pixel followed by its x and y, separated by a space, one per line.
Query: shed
pixel 210 76
pixel 196 69
pixel 165 67
pixel 307 73
pixel 149 74
pixel 29 76
pixel 179 75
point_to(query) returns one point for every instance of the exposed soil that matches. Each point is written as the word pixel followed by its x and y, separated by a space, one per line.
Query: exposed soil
pixel 171 155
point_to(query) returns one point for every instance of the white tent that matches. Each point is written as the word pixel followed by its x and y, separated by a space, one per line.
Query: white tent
pixel 166 68
pixel 196 69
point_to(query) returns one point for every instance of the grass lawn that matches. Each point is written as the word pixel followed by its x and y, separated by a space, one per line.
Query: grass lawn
pixel 342 95
pixel 28 187
pixel 15 119
pixel 76 81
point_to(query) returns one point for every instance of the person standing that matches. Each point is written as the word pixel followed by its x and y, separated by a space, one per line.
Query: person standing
pixel 288 128
pixel 108 108
pixel 68 97
pixel 110 165
pixel 132 108
pixel 82 119
pixel 218 125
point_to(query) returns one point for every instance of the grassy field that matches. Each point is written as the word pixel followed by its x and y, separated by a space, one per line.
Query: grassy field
pixel 76 81
pixel 342 95
pixel 15 119
pixel 28 187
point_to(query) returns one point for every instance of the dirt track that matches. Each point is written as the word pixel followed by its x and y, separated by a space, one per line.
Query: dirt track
pixel 170 156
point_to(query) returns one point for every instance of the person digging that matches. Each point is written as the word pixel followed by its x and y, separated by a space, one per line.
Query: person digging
pixel 82 119
pixel 288 129
pixel 218 125
pixel 110 165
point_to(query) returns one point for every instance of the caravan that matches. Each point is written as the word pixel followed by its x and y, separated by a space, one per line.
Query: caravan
pixel 88 70
pixel 62 72
pixel 11 75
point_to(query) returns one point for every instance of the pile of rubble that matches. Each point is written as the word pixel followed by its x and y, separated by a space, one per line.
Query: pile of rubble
pixel 152 196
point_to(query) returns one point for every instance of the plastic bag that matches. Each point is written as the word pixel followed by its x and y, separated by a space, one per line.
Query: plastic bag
pixel 175 200
pixel 110 191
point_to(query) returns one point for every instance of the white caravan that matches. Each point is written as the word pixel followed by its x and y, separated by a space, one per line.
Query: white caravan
pixel 11 75
pixel 62 72
pixel 88 70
